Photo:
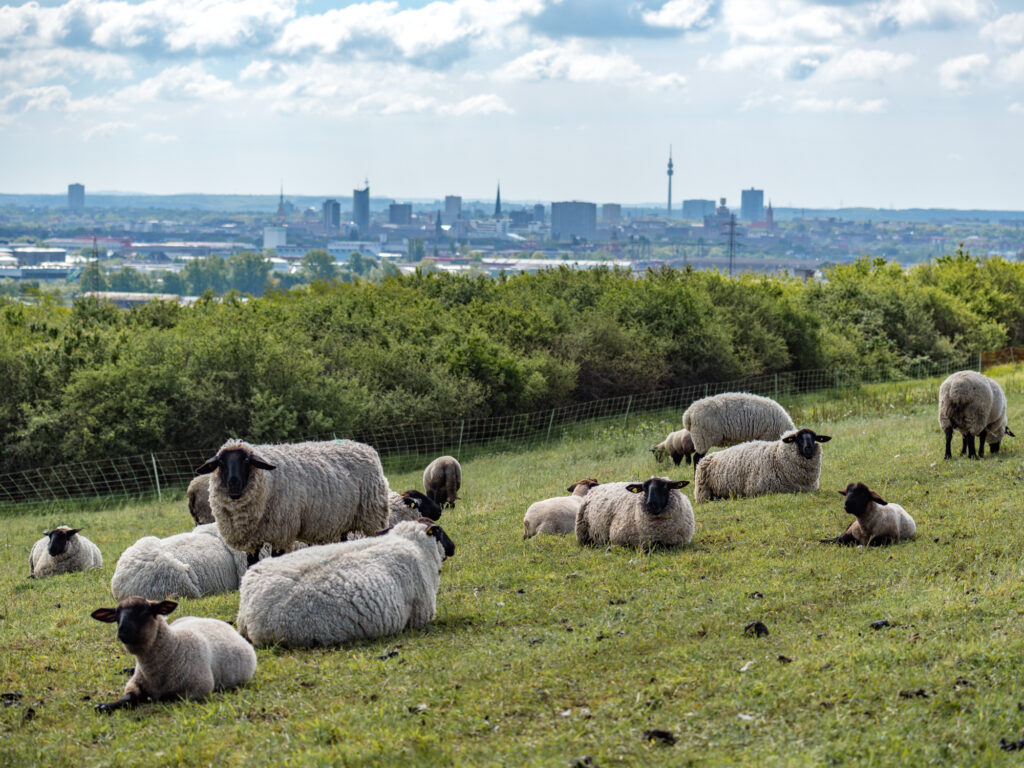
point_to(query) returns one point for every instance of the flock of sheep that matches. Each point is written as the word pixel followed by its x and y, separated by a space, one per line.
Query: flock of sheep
pixel 323 552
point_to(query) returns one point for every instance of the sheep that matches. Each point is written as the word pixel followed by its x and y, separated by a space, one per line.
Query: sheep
pixel 411 505
pixel 62 550
pixel 356 590
pixel 557 515
pixel 875 521
pixel 789 465
pixel 642 515
pixel 678 446
pixel 974 405
pixel 189 564
pixel 442 479
pixel 198 495
pixel 186 659
pixel 314 492
pixel 732 418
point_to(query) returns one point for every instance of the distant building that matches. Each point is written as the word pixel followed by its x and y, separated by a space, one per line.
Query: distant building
pixel 752 204
pixel 400 213
pixel 538 213
pixel 452 208
pixel 76 196
pixel 521 219
pixel 32 256
pixel 274 237
pixel 497 203
pixel 611 213
pixel 696 210
pixel 718 221
pixel 573 219
pixel 332 217
pixel 361 208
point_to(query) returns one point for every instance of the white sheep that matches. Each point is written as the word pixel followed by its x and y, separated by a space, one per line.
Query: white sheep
pixel 875 521
pixel 186 659
pixel 62 550
pixel 974 405
pixel 789 465
pixel 642 515
pixel 732 418
pixel 198 495
pixel 442 479
pixel 557 515
pixel 677 445
pixel 356 590
pixel 315 492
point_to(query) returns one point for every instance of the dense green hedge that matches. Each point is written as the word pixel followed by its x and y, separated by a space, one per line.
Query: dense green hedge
pixel 90 381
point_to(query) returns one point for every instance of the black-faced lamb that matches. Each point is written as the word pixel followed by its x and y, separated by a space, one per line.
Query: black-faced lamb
pixel 974 405
pixel 557 515
pixel 356 590
pixel 314 492
pixel 732 418
pixel 411 505
pixel 645 515
pixel 789 465
pixel 442 479
pixel 186 659
pixel 198 495
pixel 875 521
pixel 677 445
pixel 62 550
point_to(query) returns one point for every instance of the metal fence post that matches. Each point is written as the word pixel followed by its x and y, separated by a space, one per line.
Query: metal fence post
pixel 156 476
pixel 462 427
pixel 551 422
pixel 625 420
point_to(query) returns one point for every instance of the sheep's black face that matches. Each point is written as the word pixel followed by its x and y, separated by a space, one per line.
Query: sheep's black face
pixel 805 440
pixel 442 538
pixel 59 539
pixel 235 466
pixel 858 496
pixel 657 493
pixel 423 504
pixel 136 619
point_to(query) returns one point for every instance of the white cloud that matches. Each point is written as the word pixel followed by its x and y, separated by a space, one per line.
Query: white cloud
pixel 782 62
pixel 859 64
pixel 1007 30
pixel 481 104
pixel 1011 69
pixel 813 104
pixel 103 130
pixel 910 14
pixel 1017 108
pixel 788 22
pixel 681 14
pixel 572 63
pixel 160 138
pixel 962 72
pixel 69 66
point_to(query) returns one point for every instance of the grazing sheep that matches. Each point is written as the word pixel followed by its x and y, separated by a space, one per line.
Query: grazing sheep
pixel 678 445
pixel 974 405
pixel 875 521
pixel 732 418
pixel 557 515
pixel 411 505
pixel 442 479
pixel 356 590
pixel 314 492
pixel 198 495
pixel 789 465
pixel 185 565
pixel 186 659
pixel 62 550
pixel 643 515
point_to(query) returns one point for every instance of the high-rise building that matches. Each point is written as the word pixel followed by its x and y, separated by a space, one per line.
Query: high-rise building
pixel 332 216
pixel 274 237
pixel 670 172
pixel 695 210
pixel 573 219
pixel 76 196
pixel 452 208
pixel 538 213
pixel 611 213
pixel 752 204
pixel 400 213
pixel 497 203
pixel 361 208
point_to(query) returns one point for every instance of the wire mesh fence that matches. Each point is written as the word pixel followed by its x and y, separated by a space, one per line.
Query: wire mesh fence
pixel 155 473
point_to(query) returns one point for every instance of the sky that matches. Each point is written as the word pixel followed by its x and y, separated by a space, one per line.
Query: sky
pixel 885 103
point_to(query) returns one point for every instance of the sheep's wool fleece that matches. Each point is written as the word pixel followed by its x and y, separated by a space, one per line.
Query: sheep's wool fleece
pixel 609 514
pixel 734 417
pixel 552 516
pixel 336 593
pixel 970 402
pixel 318 493
pixel 80 555
pixel 756 468
pixel 398 510
pixel 198 495
pixel 890 520
pixel 443 472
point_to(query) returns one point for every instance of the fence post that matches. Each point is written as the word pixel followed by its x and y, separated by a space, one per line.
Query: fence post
pixel 551 422
pixel 156 476
pixel 979 362
pixel 625 420
pixel 776 386
pixel 458 451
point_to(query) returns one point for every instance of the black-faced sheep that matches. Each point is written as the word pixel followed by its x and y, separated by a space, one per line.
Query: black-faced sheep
pixel 732 418
pixel 411 505
pixel 974 405
pixel 557 515
pixel 442 479
pixel 875 521
pixel 643 515
pixel 62 550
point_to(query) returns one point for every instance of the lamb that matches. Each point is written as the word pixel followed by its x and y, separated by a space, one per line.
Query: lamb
pixel 356 590
pixel 185 565
pixel 789 465
pixel 678 445
pixel 442 479
pixel 411 505
pixel 732 418
pixel 876 522
pixel 642 515
pixel 315 492
pixel 198 495
pixel 974 405
pixel 557 515
pixel 62 550
pixel 187 659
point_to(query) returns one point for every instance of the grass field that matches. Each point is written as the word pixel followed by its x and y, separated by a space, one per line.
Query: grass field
pixel 544 653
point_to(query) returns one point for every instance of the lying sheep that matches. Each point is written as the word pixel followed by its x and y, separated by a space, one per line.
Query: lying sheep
pixel 789 465
pixel 974 405
pixel 411 505
pixel 357 590
pixel 875 521
pixel 62 550
pixel 732 418
pixel 198 495
pixel 557 515
pixel 643 515
pixel 187 659
pixel 314 492
pixel 678 446
pixel 442 479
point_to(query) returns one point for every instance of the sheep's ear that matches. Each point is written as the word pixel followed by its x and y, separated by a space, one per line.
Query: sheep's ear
pixel 162 608
pixel 822 438
pixel 789 439
pixel 73 531
pixel 677 484
pixel 256 461
pixel 209 466
pixel 842 493
pixel 878 499
pixel 383 531
pixel 572 487
pixel 411 501
pixel 47 533
pixel 1007 431
pixel 106 615
pixel 635 487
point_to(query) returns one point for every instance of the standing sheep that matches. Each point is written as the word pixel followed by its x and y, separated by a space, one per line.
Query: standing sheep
pixel 678 445
pixel 442 479
pixel 186 659
pixel 198 495
pixel 557 515
pixel 732 418
pixel 789 465
pixel 357 590
pixel 62 550
pixel 314 492
pixel 875 521
pixel 643 515
pixel 974 405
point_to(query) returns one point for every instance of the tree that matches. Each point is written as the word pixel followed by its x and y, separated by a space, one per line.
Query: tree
pixel 209 274
pixel 416 249
pixel 249 272
pixel 318 264
pixel 92 278
pixel 173 282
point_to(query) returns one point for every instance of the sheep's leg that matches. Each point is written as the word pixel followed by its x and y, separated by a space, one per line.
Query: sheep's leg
pixel 970 447
pixel 981 443
pixel 846 539
pixel 128 700
pixel 881 541
pixel 963 445
pixel 994 448
pixel 696 460
pixel 677 457
pixel 949 441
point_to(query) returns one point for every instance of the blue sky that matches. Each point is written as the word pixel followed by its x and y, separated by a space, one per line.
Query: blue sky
pixel 904 103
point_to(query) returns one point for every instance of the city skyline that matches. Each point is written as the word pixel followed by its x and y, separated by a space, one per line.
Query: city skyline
pixel 891 103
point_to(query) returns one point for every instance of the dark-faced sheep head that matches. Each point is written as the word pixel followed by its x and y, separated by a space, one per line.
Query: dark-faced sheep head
pixel 442 538
pixel 657 493
pixel 136 619
pixel 805 440
pixel 235 465
pixel 59 539
pixel 582 486
pixel 858 497
pixel 423 504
